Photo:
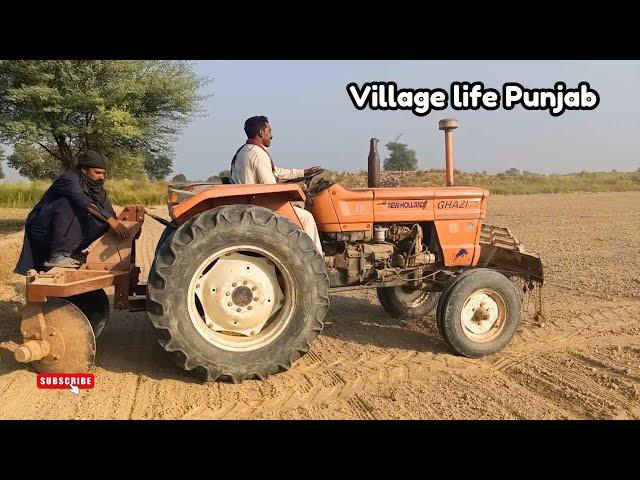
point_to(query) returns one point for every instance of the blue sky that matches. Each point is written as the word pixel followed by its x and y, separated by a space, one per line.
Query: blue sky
pixel 315 123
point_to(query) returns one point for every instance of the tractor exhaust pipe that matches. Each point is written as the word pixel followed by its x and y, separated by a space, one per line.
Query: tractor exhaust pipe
pixel 448 125
pixel 373 179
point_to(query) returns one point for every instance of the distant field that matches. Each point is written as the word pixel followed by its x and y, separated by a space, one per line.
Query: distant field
pixel 502 183
pixel 122 192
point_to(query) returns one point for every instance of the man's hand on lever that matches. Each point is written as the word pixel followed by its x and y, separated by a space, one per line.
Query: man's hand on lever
pixel 117 226
pixel 120 230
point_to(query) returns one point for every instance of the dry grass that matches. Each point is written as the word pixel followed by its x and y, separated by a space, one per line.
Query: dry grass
pixel 121 192
pixel 502 183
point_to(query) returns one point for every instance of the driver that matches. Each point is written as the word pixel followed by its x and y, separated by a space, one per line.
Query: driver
pixel 253 164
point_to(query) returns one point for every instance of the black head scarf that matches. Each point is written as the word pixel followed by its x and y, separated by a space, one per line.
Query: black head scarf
pixel 94 188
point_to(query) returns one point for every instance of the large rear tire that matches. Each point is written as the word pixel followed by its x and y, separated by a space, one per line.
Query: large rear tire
pixel 239 291
pixel 166 233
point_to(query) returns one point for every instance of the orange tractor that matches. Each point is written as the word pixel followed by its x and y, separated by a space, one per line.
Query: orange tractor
pixel 238 290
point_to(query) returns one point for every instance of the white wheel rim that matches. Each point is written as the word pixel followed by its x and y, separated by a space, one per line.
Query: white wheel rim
pixel 483 315
pixel 236 301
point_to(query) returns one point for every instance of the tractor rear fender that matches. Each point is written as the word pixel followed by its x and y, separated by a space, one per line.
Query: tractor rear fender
pixel 277 197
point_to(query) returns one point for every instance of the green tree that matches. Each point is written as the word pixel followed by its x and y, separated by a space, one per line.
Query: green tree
pixel 120 107
pixel 34 163
pixel 512 171
pixel 158 167
pixel 218 178
pixel 179 178
pixel 1 160
pixel 127 166
pixel 401 157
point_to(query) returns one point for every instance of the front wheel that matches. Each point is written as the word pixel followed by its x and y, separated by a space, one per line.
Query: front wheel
pixel 479 314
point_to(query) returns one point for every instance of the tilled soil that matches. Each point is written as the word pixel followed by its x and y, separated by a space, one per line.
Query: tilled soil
pixel 581 361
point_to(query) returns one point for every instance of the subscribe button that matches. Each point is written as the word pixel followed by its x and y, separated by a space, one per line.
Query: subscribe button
pixel 65 380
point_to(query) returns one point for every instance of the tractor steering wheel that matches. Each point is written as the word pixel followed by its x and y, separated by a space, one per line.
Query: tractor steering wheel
pixel 306 179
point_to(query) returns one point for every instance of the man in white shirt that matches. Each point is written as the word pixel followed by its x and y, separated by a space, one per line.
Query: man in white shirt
pixel 253 164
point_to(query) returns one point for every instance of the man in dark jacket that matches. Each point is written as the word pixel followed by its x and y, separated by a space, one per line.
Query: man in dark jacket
pixel 72 214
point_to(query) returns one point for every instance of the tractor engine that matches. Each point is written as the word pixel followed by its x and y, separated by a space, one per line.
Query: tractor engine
pixel 390 255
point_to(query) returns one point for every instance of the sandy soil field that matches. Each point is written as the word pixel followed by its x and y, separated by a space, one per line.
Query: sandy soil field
pixel 582 361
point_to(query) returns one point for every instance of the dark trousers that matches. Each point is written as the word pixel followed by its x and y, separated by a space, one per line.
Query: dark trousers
pixel 57 228
pixel 72 230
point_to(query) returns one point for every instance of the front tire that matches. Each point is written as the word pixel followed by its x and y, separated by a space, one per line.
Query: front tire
pixel 480 314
